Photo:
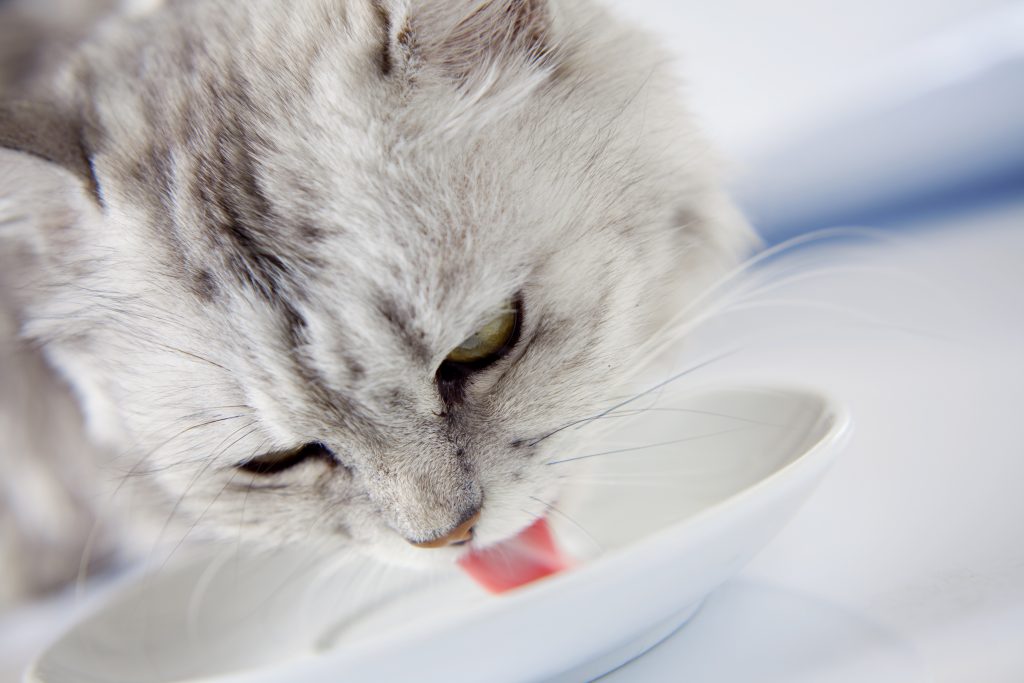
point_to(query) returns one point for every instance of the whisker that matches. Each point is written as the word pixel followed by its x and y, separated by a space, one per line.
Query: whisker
pixel 859 318
pixel 551 507
pixel 782 247
pixel 199 590
pixel 681 322
pixel 688 411
pixel 647 446
pixel 657 387
pixel 615 483
pixel 616 476
pixel 195 479
pixel 134 471
pixel 83 563
pixel 241 520
pixel 189 354
pixel 803 274
pixel 90 546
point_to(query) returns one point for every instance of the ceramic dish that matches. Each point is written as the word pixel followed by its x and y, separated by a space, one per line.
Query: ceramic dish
pixel 679 499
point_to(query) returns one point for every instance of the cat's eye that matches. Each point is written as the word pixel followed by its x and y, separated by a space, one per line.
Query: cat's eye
pixel 490 341
pixel 279 461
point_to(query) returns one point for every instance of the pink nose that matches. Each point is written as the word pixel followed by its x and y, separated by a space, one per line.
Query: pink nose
pixel 457 536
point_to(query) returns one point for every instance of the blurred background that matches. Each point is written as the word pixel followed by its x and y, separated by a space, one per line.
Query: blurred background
pixel 908 119
pixel 880 148
pixel 844 112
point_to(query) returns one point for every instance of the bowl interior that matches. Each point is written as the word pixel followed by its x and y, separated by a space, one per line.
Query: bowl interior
pixel 223 610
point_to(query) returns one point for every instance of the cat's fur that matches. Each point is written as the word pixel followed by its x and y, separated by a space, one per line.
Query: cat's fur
pixel 236 227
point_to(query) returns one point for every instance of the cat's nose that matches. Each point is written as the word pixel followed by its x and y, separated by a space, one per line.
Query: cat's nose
pixel 457 536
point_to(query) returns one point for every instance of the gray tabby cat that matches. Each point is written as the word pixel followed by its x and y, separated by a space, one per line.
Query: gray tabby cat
pixel 336 269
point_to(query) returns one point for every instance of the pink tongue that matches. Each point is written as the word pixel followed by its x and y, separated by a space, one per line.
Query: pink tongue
pixel 526 557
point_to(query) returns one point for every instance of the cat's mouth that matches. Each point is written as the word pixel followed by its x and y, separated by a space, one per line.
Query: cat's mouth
pixel 529 555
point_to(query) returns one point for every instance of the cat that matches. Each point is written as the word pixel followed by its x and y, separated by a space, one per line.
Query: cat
pixel 339 270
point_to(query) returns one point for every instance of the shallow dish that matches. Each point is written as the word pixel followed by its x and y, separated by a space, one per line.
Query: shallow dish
pixel 675 502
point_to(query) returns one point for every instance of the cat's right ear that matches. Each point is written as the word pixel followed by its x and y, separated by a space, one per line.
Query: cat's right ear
pixel 465 39
pixel 48 132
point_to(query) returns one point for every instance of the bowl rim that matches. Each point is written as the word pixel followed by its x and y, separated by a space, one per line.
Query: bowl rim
pixel 811 462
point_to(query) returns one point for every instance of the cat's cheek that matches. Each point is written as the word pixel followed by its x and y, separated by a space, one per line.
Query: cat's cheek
pixel 514 502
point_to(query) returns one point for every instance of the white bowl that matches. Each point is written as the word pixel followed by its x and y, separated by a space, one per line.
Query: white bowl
pixel 664 525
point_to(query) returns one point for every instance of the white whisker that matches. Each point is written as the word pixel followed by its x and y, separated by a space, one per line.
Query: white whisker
pixel 647 446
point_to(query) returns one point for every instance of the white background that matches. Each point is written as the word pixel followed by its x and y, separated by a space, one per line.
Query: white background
pixel 908 564
pixel 758 72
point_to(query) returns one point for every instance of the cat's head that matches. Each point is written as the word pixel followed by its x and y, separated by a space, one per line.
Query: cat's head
pixel 335 269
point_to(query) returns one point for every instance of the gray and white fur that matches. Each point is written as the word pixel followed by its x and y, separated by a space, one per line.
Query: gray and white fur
pixel 235 228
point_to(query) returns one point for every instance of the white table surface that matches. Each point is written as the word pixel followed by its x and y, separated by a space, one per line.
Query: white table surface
pixel 908 563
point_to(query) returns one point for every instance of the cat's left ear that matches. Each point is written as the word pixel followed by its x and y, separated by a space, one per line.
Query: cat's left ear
pixel 49 132
pixel 714 232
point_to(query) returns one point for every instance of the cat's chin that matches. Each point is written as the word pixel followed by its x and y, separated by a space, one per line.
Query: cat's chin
pixel 392 550
pixel 401 554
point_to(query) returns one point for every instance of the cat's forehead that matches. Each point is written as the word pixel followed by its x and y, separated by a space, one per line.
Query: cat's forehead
pixel 287 161
pixel 422 299
pixel 308 94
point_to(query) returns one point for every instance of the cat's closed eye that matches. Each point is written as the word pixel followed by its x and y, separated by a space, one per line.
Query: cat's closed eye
pixel 279 461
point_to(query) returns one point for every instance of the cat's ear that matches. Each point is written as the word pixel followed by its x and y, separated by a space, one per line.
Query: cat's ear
pixel 468 37
pixel 49 132
pixel 714 232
